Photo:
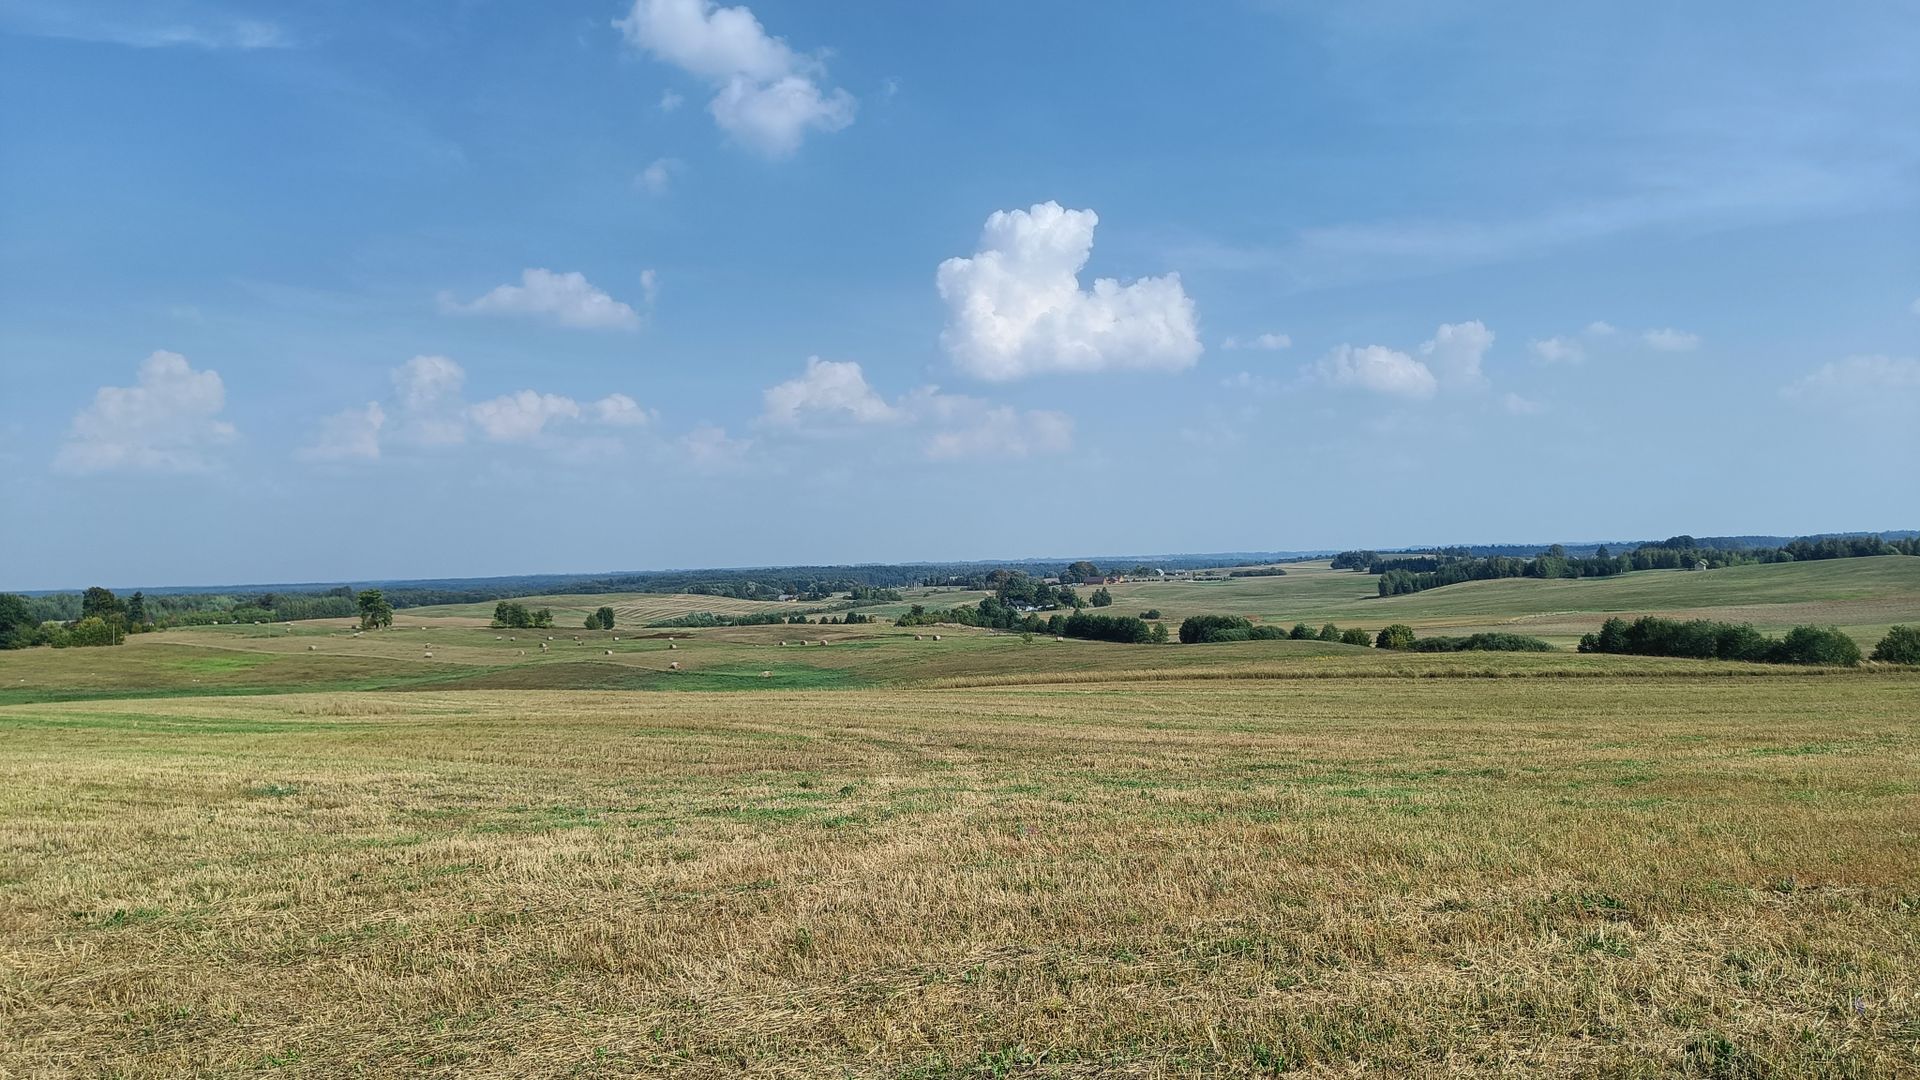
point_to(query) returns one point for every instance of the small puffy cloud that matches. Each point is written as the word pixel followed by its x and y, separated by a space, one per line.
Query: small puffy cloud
pixel 657 178
pixel 1249 383
pixel 430 409
pixel 167 422
pixel 829 390
pixel 1378 369
pixel 670 101
pixel 568 299
pixel 1866 383
pixel 1557 350
pixel 1601 328
pixel 619 410
pixel 976 429
pixel 1520 406
pixel 1268 342
pixel 1016 307
pixel 521 416
pixel 1914 307
pixel 1667 339
pixel 767 97
pixel 1455 352
pixel 710 447
pixel 832 395
pixel 349 435
pixel 428 390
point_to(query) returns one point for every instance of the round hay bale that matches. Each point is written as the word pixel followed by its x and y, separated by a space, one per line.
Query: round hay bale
pixel 673 665
pixel 766 674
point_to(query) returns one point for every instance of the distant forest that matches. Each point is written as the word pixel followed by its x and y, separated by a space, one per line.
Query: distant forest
pixel 1402 573
pixel 1017 584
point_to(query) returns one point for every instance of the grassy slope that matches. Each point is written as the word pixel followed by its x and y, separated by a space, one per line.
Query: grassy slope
pixel 630 609
pixel 1863 595
pixel 1630 878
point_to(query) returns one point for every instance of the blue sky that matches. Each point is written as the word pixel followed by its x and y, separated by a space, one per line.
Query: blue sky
pixel 365 290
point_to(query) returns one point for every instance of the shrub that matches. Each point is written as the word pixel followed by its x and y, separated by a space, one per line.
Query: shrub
pixel 1356 636
pixel 1493 642
pixel 1150 613
pixel 1397 636
pixel 1122 628
pixel 1200 629
pixel 1704 639
pixel 1900 646
pixel 1329 632
pixel 1301 632
pixel 1817 645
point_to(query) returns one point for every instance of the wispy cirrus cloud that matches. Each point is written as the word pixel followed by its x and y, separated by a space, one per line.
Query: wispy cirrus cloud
pixel 143 26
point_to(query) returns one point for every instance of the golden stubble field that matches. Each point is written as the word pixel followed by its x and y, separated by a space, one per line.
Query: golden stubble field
pixel 1633 877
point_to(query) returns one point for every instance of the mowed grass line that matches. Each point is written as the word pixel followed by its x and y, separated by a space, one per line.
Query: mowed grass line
pixel 1632 877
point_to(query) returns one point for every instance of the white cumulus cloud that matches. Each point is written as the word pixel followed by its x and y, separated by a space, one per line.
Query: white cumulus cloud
pixel 348 435
pixel 568 299
pixel 521 416
pixel 966 427
pixel 169 421
pixel 1667 339
pixel 1521 406
pixel 657 178
pixel 1378 369
pixel 429 409
pixel 829 390
pixel 831 396
pixel 619 410
pixel 1016 307
pixel 428 389
pixel 1455 352
pixel 1889 384
pixel 1601 328
pixel 1259 341
pixel 1557 350
pixel 767 96
pixel 710 447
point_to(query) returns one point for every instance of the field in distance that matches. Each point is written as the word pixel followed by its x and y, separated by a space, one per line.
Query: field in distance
pixel 451 647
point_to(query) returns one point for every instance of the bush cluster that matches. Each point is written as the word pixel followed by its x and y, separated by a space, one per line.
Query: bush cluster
pixel 1705 639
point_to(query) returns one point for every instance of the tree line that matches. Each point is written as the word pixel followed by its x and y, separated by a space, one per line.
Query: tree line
pixel 1706 639
pixel 1403 574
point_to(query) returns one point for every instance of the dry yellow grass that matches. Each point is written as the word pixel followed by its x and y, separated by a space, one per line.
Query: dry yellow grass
pixel 1630 877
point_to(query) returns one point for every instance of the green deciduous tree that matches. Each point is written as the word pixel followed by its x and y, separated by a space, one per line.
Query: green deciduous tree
pixel 375 612
pixel 1397 636
pixel 99 603
pixel 1900 646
